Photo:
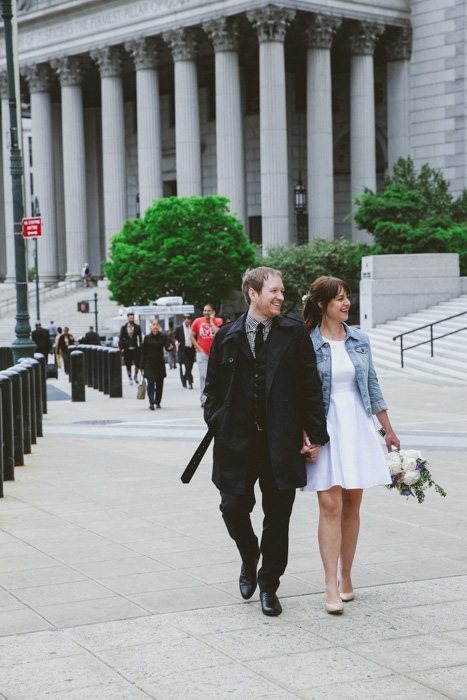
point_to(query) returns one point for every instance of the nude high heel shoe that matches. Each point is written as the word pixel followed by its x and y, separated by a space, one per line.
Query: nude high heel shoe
pixel 347 597
pixel 335 608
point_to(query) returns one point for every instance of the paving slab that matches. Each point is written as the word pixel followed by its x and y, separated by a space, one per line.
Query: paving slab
pixel 117 582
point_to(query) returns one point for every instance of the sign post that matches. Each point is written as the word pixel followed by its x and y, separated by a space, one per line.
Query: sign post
pixel 32 228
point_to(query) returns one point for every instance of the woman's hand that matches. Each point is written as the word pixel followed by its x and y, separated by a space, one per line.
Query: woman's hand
pixel 392 439
pixel 310 451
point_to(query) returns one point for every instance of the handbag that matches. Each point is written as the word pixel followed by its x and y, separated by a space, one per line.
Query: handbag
pixel 141 393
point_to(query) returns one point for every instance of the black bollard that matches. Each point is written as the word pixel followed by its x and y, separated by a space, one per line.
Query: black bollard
pixel 1 443
pixel 78 388
pixel 95 366
pixel 105 356
pixel 88 364
pixel 8 431
pixel 100 362
pixel 32 398
pixel 18 420
pixel 26 394
pixel 115 373
pixel 36 367
pixel 43 364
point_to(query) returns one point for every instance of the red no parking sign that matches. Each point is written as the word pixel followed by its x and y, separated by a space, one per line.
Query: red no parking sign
pixel 32 228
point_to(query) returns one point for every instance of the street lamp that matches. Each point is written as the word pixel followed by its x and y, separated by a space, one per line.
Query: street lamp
pixel 300 208
pixel 22 346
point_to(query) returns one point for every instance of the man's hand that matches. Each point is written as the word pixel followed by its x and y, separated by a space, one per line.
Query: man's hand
pixel 310 450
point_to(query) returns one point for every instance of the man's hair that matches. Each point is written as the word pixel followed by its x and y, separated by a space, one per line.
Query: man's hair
pixel 255 278
pixel 208 303
pixel 130 313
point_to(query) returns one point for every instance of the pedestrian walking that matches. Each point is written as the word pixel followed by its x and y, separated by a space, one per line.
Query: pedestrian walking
pixel 171 353
pixel 91 337
pixel 58 356
pixel 42 339
pixel 263 392
pixel 186 351
pixel 65 342
pixel 202 334
pixel 130 344
pixel 85 274
pixel 353 459
pixel 153 363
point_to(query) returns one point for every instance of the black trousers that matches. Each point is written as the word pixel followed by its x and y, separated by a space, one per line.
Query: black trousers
pixel 277 508
pixel 131 357
pixel 186 361
pixel 154 389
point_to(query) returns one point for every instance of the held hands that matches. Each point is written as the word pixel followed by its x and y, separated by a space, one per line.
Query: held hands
pixel 310 451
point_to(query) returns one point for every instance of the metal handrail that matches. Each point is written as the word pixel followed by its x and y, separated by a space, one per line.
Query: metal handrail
pixel 431 339
pixel 11 301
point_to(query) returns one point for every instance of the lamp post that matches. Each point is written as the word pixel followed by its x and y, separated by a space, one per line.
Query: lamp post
pixel 22 346
pixel 37 212
pixel 300 208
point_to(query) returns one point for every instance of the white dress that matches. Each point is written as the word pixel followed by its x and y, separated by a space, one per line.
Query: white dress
pixel 354 456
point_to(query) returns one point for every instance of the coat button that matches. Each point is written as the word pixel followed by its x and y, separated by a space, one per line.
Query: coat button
pixel 230 359
pixel 325 388
pixel 326 345
pixel 325 374
pixel 325 357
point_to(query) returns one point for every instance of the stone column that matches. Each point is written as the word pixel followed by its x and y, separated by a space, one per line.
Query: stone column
pixel 320 31
pixel 363 37
pixel 271 23
pixel 109 61
pixel 7 186
pixel 187 131
pixel 229 124
pixel 144 54
pixel 399 51
pixel 70 72
pixel 39 80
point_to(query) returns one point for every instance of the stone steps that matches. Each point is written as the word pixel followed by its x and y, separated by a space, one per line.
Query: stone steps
pixel 450 353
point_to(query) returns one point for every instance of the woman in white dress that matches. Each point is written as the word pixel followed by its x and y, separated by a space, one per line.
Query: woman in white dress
pixel 353 459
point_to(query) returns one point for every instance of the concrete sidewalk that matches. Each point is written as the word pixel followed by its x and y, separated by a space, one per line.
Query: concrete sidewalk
pixel 117 582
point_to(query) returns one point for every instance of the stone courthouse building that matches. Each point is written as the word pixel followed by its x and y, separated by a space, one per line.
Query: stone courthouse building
pixel 133 100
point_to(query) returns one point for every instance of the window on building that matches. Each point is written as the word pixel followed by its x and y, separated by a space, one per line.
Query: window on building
pixel 302 229
pixel 211 98
pixel 170 188
pixel 31 184
pixel 256 229
pixel 30 151
pixel 252 91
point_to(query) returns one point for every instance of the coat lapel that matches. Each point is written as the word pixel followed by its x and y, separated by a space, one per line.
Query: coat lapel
pixel 237 333
pixel 279 341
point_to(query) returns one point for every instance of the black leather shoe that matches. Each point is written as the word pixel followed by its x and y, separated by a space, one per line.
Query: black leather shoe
pixel 270 604
pixel 248 579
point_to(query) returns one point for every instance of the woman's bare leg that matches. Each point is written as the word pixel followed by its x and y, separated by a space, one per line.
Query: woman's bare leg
pixel 350 526
pixel 330 538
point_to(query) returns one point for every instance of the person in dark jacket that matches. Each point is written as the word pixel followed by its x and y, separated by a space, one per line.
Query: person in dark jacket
pixel 153 363
pixel 129 343
pixel 265 407
pixel 186 351
pixel 65 342
pixel 42 339
pixel 91 337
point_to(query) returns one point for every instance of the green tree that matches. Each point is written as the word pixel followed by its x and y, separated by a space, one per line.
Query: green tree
pixel 191 247
pixel 301 264
pixel 415 213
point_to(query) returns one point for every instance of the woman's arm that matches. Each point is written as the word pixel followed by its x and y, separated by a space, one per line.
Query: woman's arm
pixel 390 437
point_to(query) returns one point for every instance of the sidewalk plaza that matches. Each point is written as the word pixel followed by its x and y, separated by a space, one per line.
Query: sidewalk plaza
pixel 118 582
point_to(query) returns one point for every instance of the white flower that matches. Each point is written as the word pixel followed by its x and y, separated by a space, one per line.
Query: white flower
pixel 411 477
pixel 409 463
pixel 394 461
pixel 416 454
pixel 304 298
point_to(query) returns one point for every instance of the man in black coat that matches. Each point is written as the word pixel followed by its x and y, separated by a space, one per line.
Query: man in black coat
pixel 91 337
pixel 42 339
pixel 130 342
pixel 264 404
pixel 186 351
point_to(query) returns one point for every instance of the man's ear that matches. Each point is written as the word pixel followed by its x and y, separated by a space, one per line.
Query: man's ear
pixel 252 294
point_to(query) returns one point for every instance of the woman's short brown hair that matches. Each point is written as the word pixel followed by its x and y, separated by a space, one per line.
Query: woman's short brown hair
pixel 255 278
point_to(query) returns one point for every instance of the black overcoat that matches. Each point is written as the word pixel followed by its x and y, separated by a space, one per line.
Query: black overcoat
pixel 152 356
pixel 294 400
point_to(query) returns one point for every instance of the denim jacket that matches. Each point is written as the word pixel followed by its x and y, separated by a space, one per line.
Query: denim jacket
pixel 358 347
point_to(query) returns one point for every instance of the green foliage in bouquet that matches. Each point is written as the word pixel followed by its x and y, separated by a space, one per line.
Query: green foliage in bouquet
pixel 410 474
pixel 191 247
pixel 415 213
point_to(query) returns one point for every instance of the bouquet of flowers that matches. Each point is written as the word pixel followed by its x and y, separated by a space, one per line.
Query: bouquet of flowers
pixel 410 475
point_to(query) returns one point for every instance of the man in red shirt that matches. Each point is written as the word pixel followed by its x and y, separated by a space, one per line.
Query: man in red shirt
pixel 203 331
